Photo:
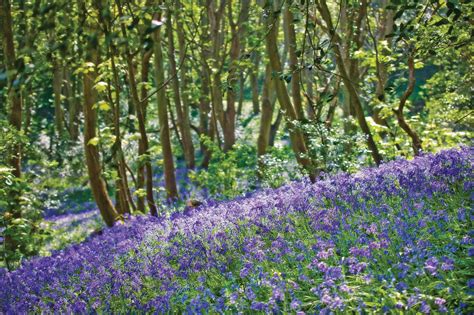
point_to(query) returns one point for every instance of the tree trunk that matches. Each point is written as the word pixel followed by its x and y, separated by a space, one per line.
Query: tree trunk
pixel 204 110
pixel 293 59
pixel 234 74
pixel 275 127
pixel 28 109
pixel 185 80
pixel 254 86
pixel 168 164
pixel 144 146
pixel 58 110
pixel 15 103
pixel 124 200
pixel 3 84
pixel 14 91
pixel 205 91
pixel 183 121
pixel 332 106
pixel 309 108
pixel 123 203
pixel 97 183
pixel 74 110
pixel 297 139
pixel 266 115
pixel 385 28
pixel 349 85
pixel 416 141
pixel 215 15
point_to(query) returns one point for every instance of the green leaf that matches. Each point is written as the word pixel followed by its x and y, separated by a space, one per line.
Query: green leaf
pixel 94 141
pixel 100 86
pixel 102 105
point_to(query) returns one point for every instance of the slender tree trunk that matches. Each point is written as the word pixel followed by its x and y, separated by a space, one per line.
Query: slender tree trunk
pixel 97 183
pixel 297 139
pixel 15 105
pixel 139 110
pixel 385 28
pixel 215 15
pixel 185 80
pixel 275 127
pixel 28 109
pixel 168 164
pixel 349 85
pixel 254 85
pixel 333 105
pixel 230 112
pixel 308 75
pixel 416 141
pixel 123 205
pixel 266 115
pixel 242 80
pixel 67 92
pixel 143 145
pixel 74 110
pixel 235 75
pixel 204 111
pixel 205 91
pixel 3 84
pixel 14 92
pixel 293 59
pixel 183 121
pixel 58 110
pixel 125 199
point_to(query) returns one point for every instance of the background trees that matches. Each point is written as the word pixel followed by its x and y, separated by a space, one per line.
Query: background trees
pixel 222 96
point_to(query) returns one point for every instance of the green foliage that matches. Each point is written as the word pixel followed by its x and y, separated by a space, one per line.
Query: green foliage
pixel 333 150
pixel 229 173
pixel 22 231
pixel 278 166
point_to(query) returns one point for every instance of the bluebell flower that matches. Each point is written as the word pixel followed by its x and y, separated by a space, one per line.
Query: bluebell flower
pixel 295 304
pixel 425 308
pixel 431 266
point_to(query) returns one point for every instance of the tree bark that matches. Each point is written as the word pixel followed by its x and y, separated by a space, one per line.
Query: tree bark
pixel 123 203
pixel 293 60
pixel 74 110
pixel 254 85
pixel 124 197
pixel 215 15
pixel 144 145
pixel 94 169
pixel 58 110
pixel 168 163
pixel 182 120
pixel 238 31
pixel 275 127
pixel 207 119
pixel 416 141
pixel 266 114
pixel 349 85
pixel 14 90
pixel 297 139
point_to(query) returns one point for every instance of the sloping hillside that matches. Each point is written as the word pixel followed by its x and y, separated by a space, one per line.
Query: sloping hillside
pixel 394 237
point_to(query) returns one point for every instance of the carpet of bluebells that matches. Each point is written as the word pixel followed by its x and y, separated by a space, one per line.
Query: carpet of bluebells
pixel 397 238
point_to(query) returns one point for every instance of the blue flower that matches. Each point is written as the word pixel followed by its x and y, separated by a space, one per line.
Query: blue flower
pixel 295 304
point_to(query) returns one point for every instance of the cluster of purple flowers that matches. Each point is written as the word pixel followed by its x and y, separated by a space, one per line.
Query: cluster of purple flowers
pixel 393 237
